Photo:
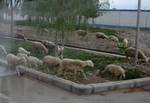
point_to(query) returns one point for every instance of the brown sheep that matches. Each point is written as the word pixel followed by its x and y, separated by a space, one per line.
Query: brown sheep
pixel 82 33
pixel 130 53
pixel 115 71
pixel 101 35
pixel 39 45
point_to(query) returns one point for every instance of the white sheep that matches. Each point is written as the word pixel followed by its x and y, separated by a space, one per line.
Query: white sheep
pixel 75 65
pixel 24 58
pixel 82 33
pixel 13 61
pixel 101 35
pixel 34 62
pixel 130 53
pixel 125 42
pixel 3 52
pixel 39 45
pixel 114 38
pixel 51 61
pixel 115 71
pixel 45 30
pixel 23 51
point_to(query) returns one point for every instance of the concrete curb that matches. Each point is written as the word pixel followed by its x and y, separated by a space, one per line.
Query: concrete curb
pixel 85 89
pixel 81 88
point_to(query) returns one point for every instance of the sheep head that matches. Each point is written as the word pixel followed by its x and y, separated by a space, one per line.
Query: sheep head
pixel 89 63
pixel 40 62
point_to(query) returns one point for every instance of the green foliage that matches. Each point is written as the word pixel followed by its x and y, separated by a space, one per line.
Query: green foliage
pixel 133 74
pixel 62 14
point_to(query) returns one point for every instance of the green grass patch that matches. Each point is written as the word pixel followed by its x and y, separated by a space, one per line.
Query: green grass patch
pixel 100 61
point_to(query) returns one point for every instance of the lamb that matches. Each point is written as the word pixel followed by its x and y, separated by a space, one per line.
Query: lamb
pixel 114 38
pixel 101 35
pixel 115 71
pixel 23 51
pixel 82 33
pixel 130 53
pixel 3 52
pixel 75 65
pixel 125 42
pixel 39 45
pixel 52 62
pixel 34 62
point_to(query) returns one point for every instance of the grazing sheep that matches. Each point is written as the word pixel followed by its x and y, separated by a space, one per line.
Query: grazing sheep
pixel 115 71
pixel 24 58
pixel 20 35
pixel 34 62
pixel 114 38
pixel 82 33
pixel 101 35
pixel 3 52
pixel 39 45
pixel 45 31
pixel 130 53
pixel 52 62
pixel 23 51
pixel 75 65
pixel 13 60
pixel 125 42
pixel 49 44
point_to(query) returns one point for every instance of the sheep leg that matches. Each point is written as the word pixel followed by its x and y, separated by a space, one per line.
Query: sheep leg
pixel 18 72
pixel 120 78
pixel 65 75
pixel 75 73
pixel 84 75
pixel 59 71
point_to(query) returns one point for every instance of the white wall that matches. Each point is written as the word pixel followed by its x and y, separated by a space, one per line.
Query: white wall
pixel 123 18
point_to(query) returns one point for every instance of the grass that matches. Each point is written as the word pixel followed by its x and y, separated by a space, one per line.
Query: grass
pixel 99 61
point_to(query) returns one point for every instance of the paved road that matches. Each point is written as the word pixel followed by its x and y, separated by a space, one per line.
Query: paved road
pixel 15 89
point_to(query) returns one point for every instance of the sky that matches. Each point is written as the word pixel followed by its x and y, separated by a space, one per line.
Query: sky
pixel 129 4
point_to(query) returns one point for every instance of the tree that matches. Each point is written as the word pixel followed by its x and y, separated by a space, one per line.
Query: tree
pixel 62 15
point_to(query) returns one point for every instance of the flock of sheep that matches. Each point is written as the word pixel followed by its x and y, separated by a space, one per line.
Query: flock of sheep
pixel 63 65
pixel 100 35
pixel 24 57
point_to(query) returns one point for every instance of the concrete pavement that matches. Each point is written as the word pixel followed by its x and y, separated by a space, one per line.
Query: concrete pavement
pixel 15 89
pixel 26 90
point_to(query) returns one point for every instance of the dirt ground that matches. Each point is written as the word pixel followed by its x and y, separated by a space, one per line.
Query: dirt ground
pixel 90 41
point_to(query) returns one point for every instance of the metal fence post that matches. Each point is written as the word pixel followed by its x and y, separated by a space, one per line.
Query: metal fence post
pixel 12 18
pixel 137 31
